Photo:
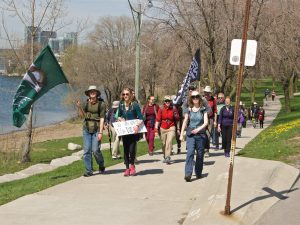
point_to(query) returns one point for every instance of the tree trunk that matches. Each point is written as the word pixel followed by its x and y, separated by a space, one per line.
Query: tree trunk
pixel 287 101
pixel 291 86
pixel 27 145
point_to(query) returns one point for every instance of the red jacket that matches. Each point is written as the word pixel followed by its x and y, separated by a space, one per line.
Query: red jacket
pixel 213 105
pixel 165 116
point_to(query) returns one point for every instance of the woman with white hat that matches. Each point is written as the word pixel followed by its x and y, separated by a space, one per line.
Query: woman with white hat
pixel 93 112
pixel 196 135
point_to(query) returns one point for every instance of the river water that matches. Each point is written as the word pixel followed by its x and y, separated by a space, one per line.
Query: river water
pixel 49 109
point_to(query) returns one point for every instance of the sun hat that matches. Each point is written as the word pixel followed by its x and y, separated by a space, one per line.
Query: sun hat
pixel 254 103
pixel 241 103
pixel 195 93
pixel 92 88
pixel 167 97
pixel 207 89
pixel 115 104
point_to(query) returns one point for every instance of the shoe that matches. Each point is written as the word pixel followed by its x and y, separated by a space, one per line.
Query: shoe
pixel 101 169
pixel 206 154
pixel 227 154
pixel 198 176
pixel 132 170
pixel 178 151
pixel 88 174
pixel 165 160
pixel 151 153
pixel 217 148
pixel 126 173
pixel 114 157
pixel 188 178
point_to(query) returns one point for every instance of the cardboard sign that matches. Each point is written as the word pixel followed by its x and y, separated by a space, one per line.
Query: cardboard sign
pixel 235 53
pixel 126 127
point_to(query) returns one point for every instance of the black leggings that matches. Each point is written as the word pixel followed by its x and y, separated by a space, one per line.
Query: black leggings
pixel 129 144
pixel 261 124
pixel 226 138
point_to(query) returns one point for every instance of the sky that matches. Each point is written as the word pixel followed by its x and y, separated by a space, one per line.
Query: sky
pixel 76 10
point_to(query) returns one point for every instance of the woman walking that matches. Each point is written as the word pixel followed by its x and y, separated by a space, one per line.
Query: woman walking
pixel 196 137
pixel 261 117
pixel 168 119
pixel 93 112
pixel 225 124
pixel 129 110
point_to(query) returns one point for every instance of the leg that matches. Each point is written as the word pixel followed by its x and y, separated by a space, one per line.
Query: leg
pixel 96 145
pixel 169 140
pixel 126 143
pixel 116 143
pixel 163 137
pixel 200 144
pixel 189 161
pixel 151 139
pixel 229 136
pixel 132 149
pixel 87 153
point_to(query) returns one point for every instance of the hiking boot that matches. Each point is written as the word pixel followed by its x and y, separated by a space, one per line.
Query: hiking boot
pixel 178 151
pixel 126 173
pixel 168 160
pixel 132 170
pixel 88 174
pixel 227 154
pixel 188 178
pixel 101 169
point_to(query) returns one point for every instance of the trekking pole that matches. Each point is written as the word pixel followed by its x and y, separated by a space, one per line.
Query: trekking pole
pixel 109 139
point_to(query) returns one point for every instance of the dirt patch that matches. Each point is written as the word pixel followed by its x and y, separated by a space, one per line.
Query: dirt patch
pixel 15 140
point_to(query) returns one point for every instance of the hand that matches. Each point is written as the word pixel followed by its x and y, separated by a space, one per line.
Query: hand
pixel 136 129
pixel 77 102
pixel 99 136
pixel 215 124
pixel 195 131
pixel 181 138
pixel 219 129
pixel 120 119
pixel 178 132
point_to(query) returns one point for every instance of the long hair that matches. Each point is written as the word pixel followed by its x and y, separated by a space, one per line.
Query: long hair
pixel 191 104
pixel 130 95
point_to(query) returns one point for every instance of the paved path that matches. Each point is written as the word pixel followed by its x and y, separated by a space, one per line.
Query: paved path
pixel 159 195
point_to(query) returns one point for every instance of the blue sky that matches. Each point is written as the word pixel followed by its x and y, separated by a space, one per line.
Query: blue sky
pixel 78 10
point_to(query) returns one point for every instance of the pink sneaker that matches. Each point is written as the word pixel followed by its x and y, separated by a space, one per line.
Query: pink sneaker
pixel 132 170
pixel 126 173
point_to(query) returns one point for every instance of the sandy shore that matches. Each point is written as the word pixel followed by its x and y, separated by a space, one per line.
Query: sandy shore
pixel 15 140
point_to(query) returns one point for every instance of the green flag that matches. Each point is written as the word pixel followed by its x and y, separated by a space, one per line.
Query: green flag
pixel 44 74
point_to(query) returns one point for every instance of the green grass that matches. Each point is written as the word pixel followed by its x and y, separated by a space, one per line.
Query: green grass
pixel 10 191
pixel 275 142
pixel 42 152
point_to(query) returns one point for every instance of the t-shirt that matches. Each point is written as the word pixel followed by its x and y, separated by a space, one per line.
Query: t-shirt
pixel 93 115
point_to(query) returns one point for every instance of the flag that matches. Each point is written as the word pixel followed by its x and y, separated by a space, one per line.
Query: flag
pixel 192 75
pixel 43 74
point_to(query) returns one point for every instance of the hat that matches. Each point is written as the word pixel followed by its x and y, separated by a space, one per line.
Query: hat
pixel 254 103
pixel 241 103
pixel 92 88
pixel 195 93
pixel 192 86
pixel 115 104
pixel 207 89
pixel 167 97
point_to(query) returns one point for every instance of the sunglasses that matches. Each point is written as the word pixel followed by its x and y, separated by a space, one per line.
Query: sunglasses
pixel 125 94
pixel 195 96
pixel 220 97
pixel 167 101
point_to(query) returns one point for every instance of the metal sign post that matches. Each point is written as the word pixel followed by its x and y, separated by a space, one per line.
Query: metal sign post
pixel 236 108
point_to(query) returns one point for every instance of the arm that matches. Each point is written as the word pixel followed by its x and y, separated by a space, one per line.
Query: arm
pixel 220 119
pixel 80 109
pixel 101 122
pixel 185 120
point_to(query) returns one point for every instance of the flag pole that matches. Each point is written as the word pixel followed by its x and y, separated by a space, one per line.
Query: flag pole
pixel 236 108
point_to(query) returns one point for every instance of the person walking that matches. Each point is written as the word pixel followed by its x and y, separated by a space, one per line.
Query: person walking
pixel 225 124
pixel 241 120
pixel 129 110
pixel 93 112
pixel 196 135
pixel 168 120
pixel 111 118
pixel 273 95
pixel 220 104
pixel 149 111
pixel 212 116
pixel 261 117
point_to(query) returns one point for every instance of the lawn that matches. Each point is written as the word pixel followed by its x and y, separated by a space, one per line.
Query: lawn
pixel 42 152
pixel 280 141
pixel 10 191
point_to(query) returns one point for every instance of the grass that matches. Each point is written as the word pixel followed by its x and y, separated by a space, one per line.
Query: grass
pixel 278 141
pixel 42 152
pixel 10 191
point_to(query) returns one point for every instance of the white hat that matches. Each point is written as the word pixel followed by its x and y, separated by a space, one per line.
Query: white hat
pixel 195 93
pixel 92 88
pixel 241 103
pixel 254 103
pixel 115 104
pixel 207 89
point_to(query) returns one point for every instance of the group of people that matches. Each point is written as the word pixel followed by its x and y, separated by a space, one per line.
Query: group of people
pixel 201 118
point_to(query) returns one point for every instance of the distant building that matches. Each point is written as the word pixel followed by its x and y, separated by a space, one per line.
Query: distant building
pixel 60 44
pixel 41 37
pixel 2 65
pixel 44 37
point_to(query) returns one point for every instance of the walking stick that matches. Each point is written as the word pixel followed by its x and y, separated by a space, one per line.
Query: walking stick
pixel 109 139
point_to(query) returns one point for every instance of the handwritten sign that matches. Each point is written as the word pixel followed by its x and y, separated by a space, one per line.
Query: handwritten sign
pixel 126 127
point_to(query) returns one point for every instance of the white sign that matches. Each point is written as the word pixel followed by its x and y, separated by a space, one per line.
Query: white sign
pixel 235 53
pixel 126 127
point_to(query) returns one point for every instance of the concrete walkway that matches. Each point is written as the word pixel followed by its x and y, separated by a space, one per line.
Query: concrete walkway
pixel 159 195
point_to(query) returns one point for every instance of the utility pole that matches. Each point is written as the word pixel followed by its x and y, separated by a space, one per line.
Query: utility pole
pixel 236 108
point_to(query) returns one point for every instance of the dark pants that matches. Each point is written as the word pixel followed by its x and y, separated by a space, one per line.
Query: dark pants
pixel 226 138
pixel 261 124
pixel 178 142
pixel 129 144
pixel 150 135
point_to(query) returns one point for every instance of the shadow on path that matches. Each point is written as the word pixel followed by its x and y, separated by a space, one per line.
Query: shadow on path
pixel 150 172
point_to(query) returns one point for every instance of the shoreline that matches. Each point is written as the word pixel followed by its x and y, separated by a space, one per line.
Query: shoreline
pixel 14 140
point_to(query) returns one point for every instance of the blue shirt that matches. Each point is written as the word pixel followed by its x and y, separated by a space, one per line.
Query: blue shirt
pixel 133 112
pixel 196 118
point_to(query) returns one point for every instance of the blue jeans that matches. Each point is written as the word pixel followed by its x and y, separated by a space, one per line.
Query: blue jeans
pixel 195 142
pixel 91 144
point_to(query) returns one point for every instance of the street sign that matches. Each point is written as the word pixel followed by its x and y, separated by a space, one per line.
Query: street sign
pixel 235 53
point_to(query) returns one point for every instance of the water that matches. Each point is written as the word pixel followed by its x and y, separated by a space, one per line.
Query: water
pixel 49 109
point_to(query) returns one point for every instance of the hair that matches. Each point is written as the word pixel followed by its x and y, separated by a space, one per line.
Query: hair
pixel 130 95
pixel 148 98
pixel 191 104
